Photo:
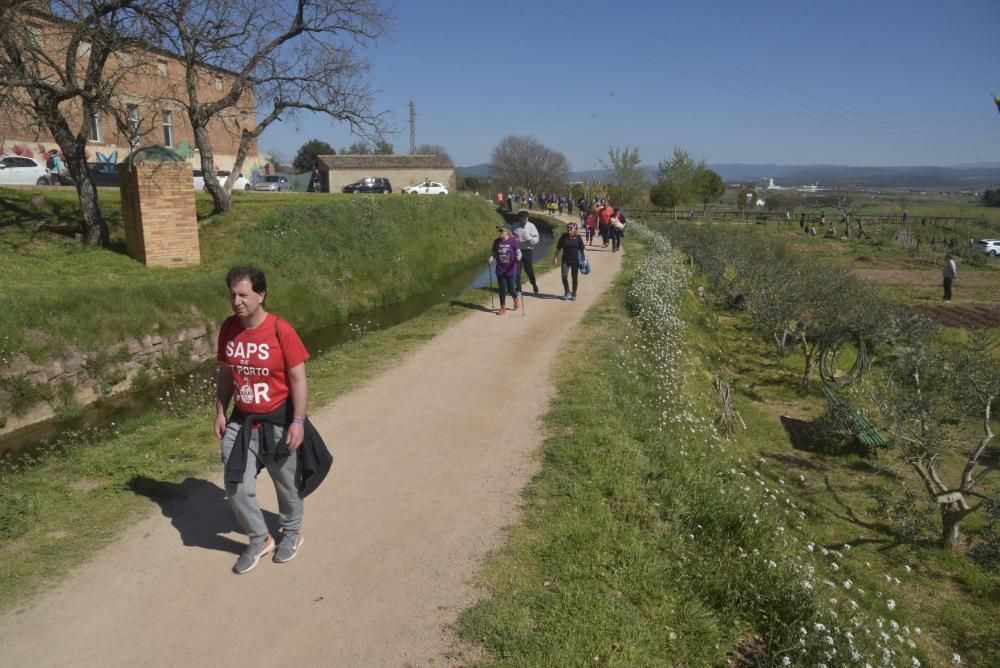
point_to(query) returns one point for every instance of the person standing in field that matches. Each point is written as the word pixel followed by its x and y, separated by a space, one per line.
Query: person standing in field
pixel 262 369
pixel 571 248
pixel 505 256
pixel 949 274
pixel 527 239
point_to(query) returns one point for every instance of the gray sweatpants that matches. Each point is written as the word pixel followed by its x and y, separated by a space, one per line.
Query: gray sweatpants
pixel 243 497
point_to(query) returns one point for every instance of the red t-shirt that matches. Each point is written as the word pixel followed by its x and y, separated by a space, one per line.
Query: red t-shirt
pixel 260 359
pixel 605 214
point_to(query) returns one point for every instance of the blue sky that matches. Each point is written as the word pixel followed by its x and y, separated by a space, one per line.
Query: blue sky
pixel 876 82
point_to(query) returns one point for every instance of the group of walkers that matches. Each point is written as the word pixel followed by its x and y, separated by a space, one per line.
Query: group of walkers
pixel 513 250
pixel 546 201
pixel 602 219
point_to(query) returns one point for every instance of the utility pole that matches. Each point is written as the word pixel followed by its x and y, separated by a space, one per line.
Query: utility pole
pixel 413 128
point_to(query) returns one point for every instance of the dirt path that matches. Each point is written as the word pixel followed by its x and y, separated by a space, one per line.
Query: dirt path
pixel 430 459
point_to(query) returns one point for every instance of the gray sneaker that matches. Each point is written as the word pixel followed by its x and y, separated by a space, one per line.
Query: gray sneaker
pixel 248 560
pixel 288 548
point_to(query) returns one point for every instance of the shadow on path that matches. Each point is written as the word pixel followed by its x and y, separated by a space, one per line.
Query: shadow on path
pixel 198 510
pixel 472 307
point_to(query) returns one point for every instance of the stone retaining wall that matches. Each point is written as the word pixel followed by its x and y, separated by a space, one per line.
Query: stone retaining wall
pixel 94 375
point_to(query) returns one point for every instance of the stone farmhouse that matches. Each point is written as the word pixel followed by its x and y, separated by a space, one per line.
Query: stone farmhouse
pixel 151 81
pixel 401 170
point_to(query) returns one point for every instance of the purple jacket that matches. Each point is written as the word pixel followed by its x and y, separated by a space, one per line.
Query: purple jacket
pixel 505 256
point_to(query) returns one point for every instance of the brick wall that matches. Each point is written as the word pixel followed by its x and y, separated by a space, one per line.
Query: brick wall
pixel 161 227
pixel 151 81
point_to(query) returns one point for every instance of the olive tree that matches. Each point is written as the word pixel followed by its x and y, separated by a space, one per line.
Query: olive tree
pixel 524 162
pixel 287 57
pixel 923 394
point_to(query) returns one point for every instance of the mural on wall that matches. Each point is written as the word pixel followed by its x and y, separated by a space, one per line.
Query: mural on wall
pixel 254 170
pixel 109 159
pixel 184 150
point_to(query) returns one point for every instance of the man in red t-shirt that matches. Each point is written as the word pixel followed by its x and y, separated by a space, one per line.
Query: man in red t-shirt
pixel 262 369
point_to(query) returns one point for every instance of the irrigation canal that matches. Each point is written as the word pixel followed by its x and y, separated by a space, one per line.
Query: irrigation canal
pixel 128 405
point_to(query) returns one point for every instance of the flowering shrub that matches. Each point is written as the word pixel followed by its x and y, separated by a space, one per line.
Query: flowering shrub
pixel 745 549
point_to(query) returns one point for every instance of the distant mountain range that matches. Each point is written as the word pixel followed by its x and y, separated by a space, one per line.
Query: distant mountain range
pixel 967 176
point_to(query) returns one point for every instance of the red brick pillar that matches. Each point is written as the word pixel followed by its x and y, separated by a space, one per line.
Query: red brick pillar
pixel 161 227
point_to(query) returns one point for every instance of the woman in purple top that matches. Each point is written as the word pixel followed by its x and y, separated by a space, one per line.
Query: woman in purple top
pixel 506 254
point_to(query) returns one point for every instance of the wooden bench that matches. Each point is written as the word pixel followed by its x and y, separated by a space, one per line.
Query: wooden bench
pixel 863 429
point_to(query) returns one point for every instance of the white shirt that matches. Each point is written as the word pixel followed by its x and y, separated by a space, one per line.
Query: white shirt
pixel 527 235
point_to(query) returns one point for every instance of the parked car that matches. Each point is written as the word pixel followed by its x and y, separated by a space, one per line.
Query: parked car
pixel 198 177
pixel 105 175
pixel 426 188
pixel 369 184
pixel 274 183
pixel 19 170
pixel 240 184
pixel 989 246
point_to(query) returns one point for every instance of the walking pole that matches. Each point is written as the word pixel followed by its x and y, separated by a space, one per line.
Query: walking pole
pixel 522 288
pixel 489 272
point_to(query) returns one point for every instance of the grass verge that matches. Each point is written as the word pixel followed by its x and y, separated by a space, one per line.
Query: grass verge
pixel 648 539
pixel 325 258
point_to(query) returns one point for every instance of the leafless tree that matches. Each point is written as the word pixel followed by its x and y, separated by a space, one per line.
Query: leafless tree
pixel 434 149
pixel 62 66
pixel 523 162
pixel 288 57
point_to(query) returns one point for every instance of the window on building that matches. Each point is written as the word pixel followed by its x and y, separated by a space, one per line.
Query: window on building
pixel 125 57
pixel 35 35
pixel 161 67
pixel 95 126
pixel 218 83
pixel 83 49
pixel 132 111
pixel 168 128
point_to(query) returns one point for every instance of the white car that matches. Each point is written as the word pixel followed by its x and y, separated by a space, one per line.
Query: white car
pixel 198 178
pixel 19 170
pixel 239 184
pixel 426 188
pixel 989 246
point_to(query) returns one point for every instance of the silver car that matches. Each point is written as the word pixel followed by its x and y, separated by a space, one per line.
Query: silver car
pixel 274 183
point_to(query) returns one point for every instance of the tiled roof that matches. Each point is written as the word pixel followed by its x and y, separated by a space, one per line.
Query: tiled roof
pixel 380 162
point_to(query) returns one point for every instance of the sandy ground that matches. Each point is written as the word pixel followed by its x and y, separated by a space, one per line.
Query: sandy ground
pixel 430 458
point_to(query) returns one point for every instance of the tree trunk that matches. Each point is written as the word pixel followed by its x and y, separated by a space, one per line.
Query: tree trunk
pixel 94 226
pixel 221 200
pixel 951 521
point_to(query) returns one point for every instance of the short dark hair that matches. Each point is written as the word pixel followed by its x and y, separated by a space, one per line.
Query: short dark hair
pixel 522 214
pixel 252 274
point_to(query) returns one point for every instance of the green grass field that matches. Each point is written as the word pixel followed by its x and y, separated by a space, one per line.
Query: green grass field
pixel 647 540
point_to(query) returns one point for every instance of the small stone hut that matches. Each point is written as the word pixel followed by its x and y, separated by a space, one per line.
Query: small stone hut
pixel 401 170
pixel 158 212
